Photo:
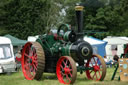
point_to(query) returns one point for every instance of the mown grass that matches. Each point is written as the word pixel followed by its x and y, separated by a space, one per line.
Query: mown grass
pixel 51 79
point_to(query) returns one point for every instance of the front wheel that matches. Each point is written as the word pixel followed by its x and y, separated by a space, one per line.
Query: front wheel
pixel 98 66
pixel 66 70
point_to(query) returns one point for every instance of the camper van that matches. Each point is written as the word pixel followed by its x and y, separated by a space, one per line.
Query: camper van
pixel 115 46
pixel 7 59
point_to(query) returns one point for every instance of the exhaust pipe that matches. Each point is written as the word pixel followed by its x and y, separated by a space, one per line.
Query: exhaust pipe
pixel 79 16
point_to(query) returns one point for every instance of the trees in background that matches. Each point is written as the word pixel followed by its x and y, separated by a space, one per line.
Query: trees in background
pixel 23 18
pixel 124 13
pixel 108 17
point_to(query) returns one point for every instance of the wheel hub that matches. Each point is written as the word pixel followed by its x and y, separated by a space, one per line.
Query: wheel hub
pixel 96 68
pixel 30 60
pixel 66 70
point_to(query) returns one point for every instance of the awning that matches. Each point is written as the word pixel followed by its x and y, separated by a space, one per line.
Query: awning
pixel 15 41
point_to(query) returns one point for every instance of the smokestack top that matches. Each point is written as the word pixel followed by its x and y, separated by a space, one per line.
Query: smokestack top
pixel 79 8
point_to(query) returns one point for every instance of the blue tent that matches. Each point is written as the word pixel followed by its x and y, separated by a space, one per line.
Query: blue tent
pixel 97 44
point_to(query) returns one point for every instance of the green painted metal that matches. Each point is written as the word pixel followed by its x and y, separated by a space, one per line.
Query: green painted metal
pixel 49 44
pixel 64 28
pixel 115 71
pixel 66 35
pixel 66 50
pixel 117 66
pixel 83 68
pixel 58 44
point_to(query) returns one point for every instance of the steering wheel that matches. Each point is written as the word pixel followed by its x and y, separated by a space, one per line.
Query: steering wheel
pixel 62 29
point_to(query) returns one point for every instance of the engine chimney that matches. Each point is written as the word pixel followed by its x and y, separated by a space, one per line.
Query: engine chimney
pixel 79 16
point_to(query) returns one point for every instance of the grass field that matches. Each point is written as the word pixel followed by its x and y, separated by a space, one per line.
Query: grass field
pixel 51 79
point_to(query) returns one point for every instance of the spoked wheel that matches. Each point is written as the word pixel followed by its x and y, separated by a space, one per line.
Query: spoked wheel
pixel 98 66
pixel 66 70
pixel 33 61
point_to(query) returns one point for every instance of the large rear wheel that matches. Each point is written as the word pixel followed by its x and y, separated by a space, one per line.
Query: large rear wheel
pixel 66 70
pixel 33 61
pixel 98 66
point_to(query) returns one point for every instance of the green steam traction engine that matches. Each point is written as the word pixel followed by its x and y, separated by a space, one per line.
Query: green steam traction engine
pixel 58 52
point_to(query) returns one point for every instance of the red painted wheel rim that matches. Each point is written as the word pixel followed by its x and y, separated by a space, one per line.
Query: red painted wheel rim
pixel 98 70
pixel 64 70
pixel 29 61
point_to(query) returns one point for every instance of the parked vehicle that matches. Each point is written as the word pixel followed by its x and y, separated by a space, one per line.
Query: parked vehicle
pixel 58 52
pixel 7 59
pixel 115 46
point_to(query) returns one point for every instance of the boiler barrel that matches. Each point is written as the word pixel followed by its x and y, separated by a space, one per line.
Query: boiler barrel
pixel 78 50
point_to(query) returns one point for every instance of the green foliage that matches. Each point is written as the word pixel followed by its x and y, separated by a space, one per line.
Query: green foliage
pixel 107 16
pixel 70 17
pixel 23 18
